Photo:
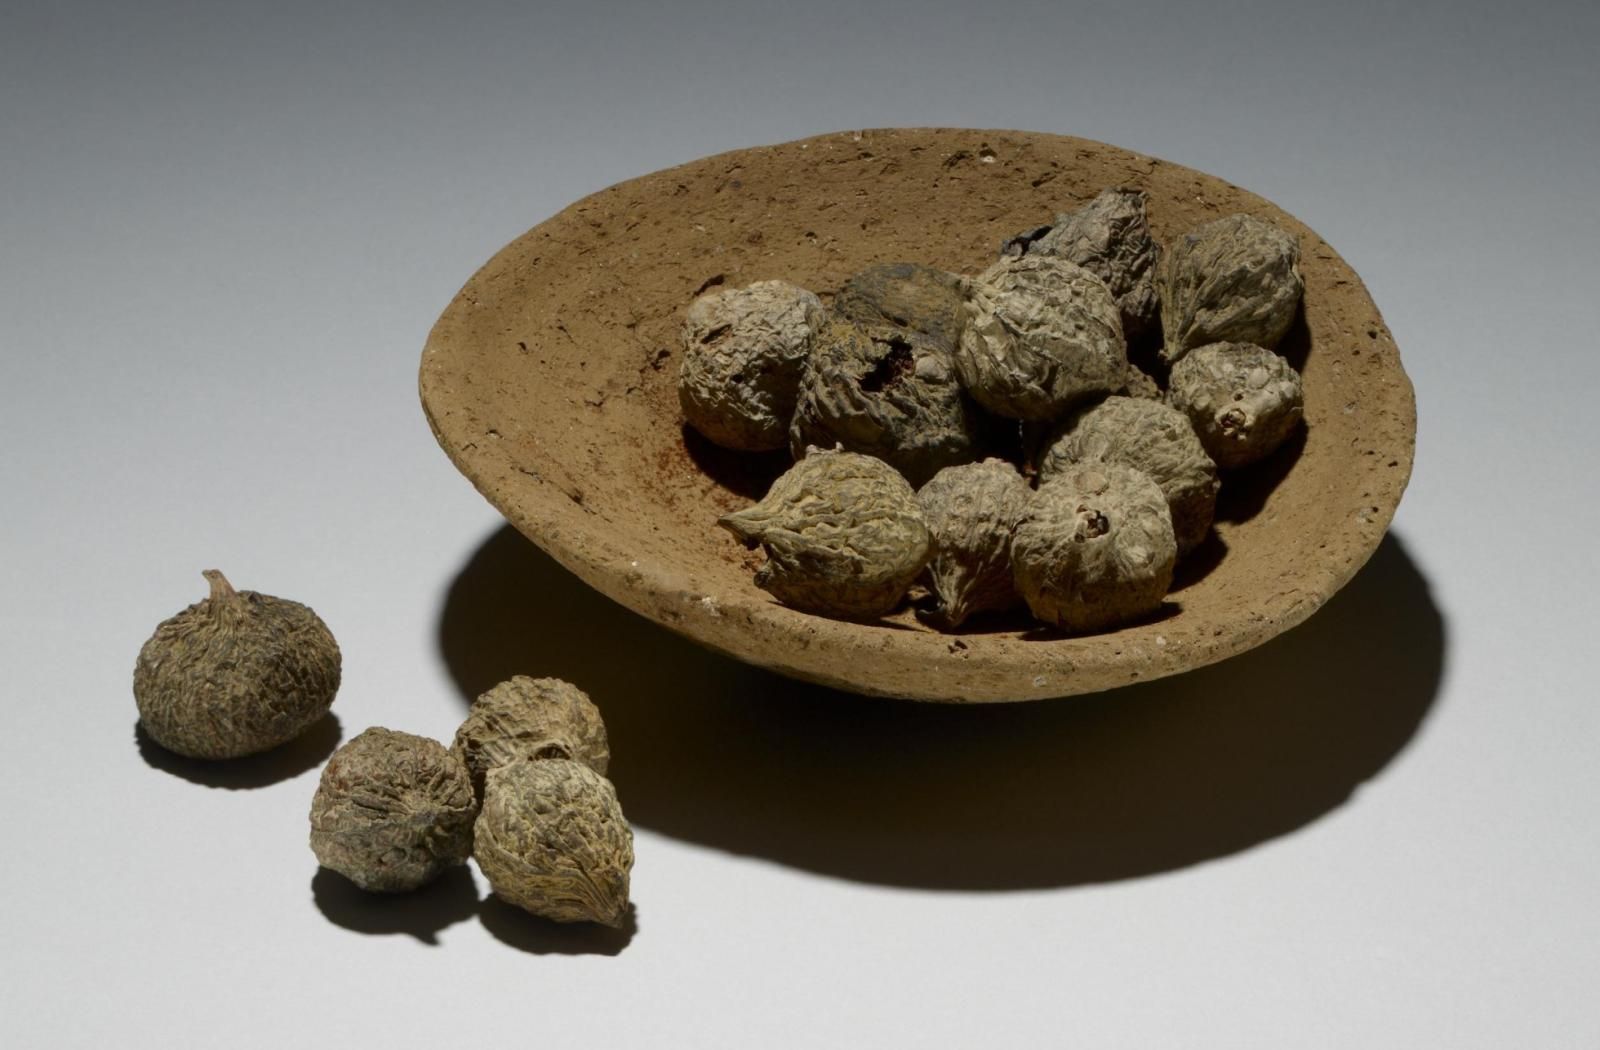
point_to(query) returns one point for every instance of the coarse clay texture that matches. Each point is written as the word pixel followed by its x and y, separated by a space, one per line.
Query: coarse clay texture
pixel 551 382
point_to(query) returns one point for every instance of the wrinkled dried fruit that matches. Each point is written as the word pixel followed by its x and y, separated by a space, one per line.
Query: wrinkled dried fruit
pixel 392 811
pixel 843 535
pixel 1095 548
pixel 1149 436
pixel 1235 279
pixel 531 718
pixel 1109 237
pixel 885 392
pixel 1140 383
pixel 1243 400
pixel 905 295
pixel 234 674
pixel 552 840
pixel 743 351
pixel 1042 334
pixel 971 510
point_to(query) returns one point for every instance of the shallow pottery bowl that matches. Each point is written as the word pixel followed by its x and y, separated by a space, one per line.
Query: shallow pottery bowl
pixel 550 381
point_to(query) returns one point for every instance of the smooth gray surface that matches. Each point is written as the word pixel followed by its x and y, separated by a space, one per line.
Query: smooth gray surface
pixel 224 234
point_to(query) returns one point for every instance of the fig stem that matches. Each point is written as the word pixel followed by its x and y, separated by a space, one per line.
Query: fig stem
pixel 221 589
pixel 746 529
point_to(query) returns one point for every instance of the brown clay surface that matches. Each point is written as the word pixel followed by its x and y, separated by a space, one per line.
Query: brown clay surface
pixel 550 382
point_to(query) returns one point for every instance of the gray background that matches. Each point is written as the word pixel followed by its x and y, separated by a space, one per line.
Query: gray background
pixel 224 233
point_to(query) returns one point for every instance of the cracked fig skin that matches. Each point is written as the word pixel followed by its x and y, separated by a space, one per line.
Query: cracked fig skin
pixel 885 392
pixel 743 353
pixel 1042 334
pixel 234 674
pixel 1236 279
pixel 843 534
pixel 905 295
pixel 392 811
pixel 1149 436
pixel 534 718
pixel 971 510
pixel 1095 548
pixel 552 840
pixel 1243 400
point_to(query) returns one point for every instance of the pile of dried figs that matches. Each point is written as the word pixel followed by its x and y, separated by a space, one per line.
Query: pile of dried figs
pixel 522 790
pixel 1052 431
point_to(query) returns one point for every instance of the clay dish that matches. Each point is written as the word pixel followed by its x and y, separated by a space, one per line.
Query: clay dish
pixel 550 381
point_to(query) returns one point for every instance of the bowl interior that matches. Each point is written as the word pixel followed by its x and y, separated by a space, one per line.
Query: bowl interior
pixel 550 381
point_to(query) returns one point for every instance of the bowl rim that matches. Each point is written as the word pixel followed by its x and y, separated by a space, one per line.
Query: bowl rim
pixel 679 601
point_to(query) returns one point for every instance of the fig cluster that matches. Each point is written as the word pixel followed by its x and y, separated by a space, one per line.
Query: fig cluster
pixel 521 790
pixel 1051 431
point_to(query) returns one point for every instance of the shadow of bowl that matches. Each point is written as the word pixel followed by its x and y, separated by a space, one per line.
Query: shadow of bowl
pixel 1148 778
